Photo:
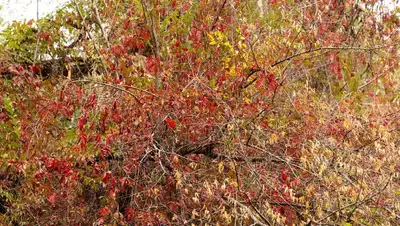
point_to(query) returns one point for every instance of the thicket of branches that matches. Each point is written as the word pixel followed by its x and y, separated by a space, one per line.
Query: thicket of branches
pixel 225 112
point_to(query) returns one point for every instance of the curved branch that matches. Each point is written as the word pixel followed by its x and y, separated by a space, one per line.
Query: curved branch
pixel 112 86
pixel 347 48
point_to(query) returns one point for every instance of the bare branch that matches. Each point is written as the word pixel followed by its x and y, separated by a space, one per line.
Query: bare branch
pixel 345 48
pixel 112 86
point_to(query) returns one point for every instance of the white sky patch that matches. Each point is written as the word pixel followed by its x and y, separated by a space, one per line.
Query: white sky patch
pixel 27 9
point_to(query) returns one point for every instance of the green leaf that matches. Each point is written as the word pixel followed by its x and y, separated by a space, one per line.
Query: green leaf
pixel 75 118
pixel 8 106
pixel 70 135
pixel 353 84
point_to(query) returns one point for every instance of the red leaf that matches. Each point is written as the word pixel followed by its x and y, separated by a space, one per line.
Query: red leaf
pixel 283 175
pixel 130 213
pixel 117 118
pixel 16 69
pixel 173 4
pixel 170 123
pixel 152 64
pixel 100 221
pixel 106 177
pixel 34 68
pixel 117 50
pixel 104 211
pixel 43 35
pixel 144 35
pixel 82 121
pixel 52 199
pixel 83 140
pixel 260 80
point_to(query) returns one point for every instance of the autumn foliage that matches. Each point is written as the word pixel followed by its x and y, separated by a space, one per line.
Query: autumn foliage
pixel 225 112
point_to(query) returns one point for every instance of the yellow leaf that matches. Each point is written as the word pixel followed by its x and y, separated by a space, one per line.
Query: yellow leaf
pixel 347 124
pixel 234 183
pixel 322 168
pixel 273 138
pixel 220 167
pixel 178 178
pixel 196 198
pixel 212 40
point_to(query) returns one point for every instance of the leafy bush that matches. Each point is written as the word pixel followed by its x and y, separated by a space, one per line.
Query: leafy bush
pixel 201 113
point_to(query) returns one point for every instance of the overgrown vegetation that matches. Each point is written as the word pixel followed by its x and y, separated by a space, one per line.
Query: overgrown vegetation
pixel 160 112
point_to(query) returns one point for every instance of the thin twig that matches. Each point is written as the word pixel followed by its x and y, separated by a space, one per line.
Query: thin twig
pixel 251 214
pixel 214 23
pixel 132 87
pixel 98 21
pixel 37 38
pixel 326 48
pixel 112 86
pixel 360 202
pixel 280 158
pixel 88 33
pixel 155 40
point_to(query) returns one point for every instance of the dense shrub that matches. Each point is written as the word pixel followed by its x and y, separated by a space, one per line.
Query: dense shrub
pixel 201 113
